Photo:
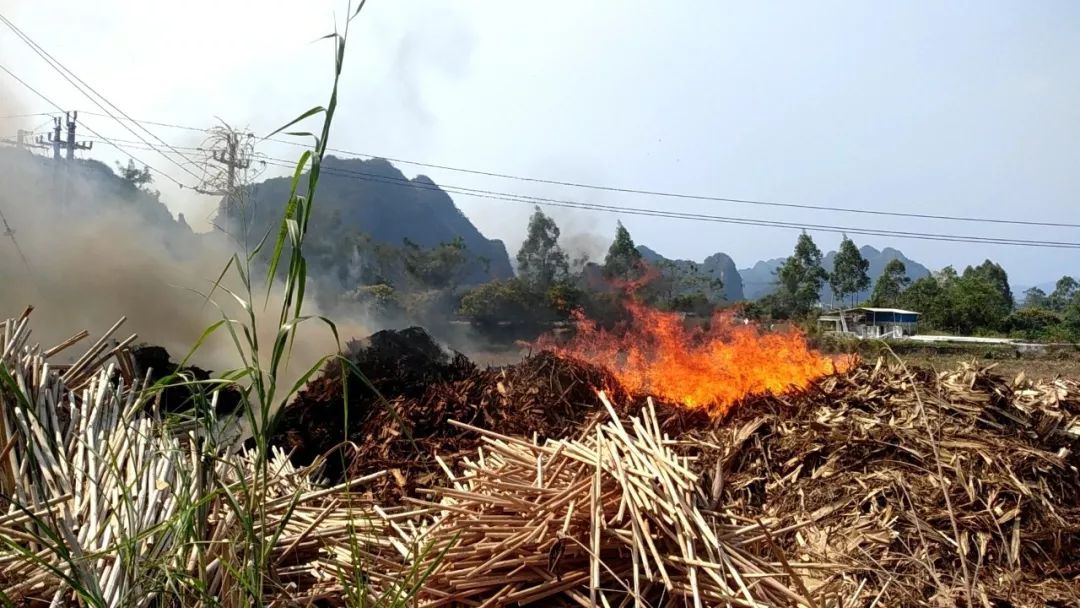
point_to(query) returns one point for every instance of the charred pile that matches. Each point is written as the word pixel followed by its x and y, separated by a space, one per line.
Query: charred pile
pixel 916 488
pixel 182 386
pixel 348 398
pixel 397 416
pixel 877 486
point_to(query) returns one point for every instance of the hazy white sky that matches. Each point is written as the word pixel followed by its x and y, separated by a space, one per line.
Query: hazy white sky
pixel 960 108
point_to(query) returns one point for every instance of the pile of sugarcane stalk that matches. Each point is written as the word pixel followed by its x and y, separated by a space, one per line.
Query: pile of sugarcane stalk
pixel 80 474
pixel 879 487
pixel 105 503
pixel 108 503
pixel 611 518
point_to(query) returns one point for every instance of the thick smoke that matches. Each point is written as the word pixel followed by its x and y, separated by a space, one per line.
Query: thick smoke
pixel 580 238
pixel 96 250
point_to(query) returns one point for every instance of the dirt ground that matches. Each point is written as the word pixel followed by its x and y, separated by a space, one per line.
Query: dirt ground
pixel 1008 360
pixel 1032 367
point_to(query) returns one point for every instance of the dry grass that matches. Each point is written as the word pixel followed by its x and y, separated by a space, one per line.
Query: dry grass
pixel 875 487
pixel 1066 365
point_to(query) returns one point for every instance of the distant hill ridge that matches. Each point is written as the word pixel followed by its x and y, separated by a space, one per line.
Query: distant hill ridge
pixel 374 198
pixel 717 266
pixel 760 279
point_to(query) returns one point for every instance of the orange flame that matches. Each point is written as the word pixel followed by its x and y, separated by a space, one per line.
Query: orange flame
pixel 655 353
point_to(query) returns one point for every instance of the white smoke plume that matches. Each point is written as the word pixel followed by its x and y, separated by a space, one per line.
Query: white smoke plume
pixel 92 256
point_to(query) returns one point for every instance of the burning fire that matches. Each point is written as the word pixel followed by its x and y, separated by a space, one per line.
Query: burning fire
pixel 712 368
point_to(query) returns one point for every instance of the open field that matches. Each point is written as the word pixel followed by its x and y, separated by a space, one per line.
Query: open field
pixel 1007 360
pixel 1066 366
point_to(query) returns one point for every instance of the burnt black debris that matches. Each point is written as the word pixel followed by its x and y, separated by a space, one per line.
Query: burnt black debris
pixel 398 414
pixel 177 396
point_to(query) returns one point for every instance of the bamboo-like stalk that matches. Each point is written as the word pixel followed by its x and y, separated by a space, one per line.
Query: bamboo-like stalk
pixel 619 515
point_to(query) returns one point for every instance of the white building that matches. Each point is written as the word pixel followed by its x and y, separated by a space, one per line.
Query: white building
pixel 866 322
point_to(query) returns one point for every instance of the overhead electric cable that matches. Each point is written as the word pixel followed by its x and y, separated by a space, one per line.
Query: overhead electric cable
pixel 534 200
pixel 117 146
pixel 64 71
pixel 661 193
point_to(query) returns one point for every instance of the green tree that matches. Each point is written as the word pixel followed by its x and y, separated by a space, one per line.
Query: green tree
pixel 1071 320
pixel 1032 323
pixel 563 298
pixel 965 304
pixel 676 284
pixel 976 303
pixel 800 278
pixel 997 277
pixel 498 301
pixel 1036 298
pixel 1066 291
pixel 926 296
pixel 541 262
pixel 890 285
pixel 946 276
pixel 623 260
pixel 138 178
pixel 380 299
pixel 439 267
pixel 849 275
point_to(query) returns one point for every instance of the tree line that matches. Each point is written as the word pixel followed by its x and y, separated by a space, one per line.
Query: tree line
pixel 549 286
pixel 977 301
pixel 544 288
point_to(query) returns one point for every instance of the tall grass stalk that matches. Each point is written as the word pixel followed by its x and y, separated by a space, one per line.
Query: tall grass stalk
pixel 208 475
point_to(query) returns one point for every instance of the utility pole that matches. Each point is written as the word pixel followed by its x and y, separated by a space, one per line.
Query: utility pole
pixel 233 154
pixel 56 141
pixel 72 118
pixel 229 158
pixel 227 174
pixel 54 138
pixel 22 141
pixel 8 232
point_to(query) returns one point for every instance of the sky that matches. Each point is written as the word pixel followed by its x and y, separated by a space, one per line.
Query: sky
pixel 960 108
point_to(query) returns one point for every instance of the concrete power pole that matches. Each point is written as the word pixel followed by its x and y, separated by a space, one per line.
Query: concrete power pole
pixel 22 141
pixel 8 232
pixel 232 160
pixel 227 174
pixel 71 145
pixel 56 141
pixel 54 138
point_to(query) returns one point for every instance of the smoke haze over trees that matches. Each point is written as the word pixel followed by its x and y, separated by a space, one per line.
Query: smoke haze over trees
pixel 386 250
pixel 99 247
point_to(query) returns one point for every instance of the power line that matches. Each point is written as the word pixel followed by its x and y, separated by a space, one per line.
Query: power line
pixel 534 200
pixel 115 143
pixel 117 146
pixel 696 197
pixel 61 69
pixel 8 232
pixel 660 193
pixel 136 144
pixel 34 115
pixel 527 199
pixel 155 123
